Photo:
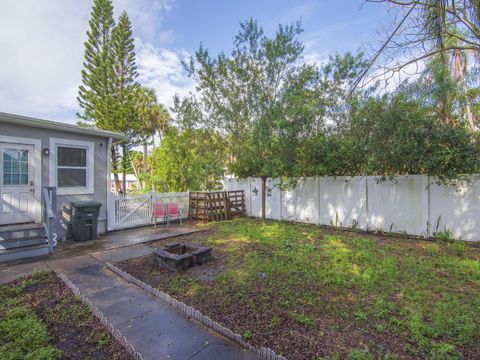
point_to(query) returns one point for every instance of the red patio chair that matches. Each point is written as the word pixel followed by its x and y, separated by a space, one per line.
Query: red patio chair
pixel 159 212
pixel 173 211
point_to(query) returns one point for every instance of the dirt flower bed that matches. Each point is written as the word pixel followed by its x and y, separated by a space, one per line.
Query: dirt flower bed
pixel 40 318
pixel 312 293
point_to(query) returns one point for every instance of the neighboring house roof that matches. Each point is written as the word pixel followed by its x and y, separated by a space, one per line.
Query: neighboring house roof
pixel 129 177
pixel 54 125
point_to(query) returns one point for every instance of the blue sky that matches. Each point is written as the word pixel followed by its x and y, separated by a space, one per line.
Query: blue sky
pixel 42 42
pixel 329 25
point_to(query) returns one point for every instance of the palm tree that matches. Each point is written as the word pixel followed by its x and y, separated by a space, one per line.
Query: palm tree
pixel 153 119
pixel 449 34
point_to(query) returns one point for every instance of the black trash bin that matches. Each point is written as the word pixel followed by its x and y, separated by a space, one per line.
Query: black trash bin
pixel 85 219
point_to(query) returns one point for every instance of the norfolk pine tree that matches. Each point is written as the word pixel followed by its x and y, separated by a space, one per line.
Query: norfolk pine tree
pixel 125 73
pixel 95 93
pixel 108 77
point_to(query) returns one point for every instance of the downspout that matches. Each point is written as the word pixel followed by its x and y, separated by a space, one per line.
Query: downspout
pixel 124 168
pixel 110 204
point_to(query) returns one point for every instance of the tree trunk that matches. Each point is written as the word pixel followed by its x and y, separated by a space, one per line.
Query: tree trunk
pixel 264 188
pixel 470 118
pixel 145 163
pixel 137 173
pixel 460 69
pixel 152 170
pixel 118 189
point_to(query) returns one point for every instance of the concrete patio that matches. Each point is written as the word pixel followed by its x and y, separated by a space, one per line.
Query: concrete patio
pixel 121 238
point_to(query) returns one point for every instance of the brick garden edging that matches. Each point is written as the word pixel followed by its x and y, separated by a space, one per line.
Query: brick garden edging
pixel 115 333
pixel 189 311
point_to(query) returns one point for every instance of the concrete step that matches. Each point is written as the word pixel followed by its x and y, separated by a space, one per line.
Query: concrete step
pixel 26 252
pixel 22 242
pixel 21 231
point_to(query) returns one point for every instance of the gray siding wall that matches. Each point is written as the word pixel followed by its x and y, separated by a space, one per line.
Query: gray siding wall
pixel 100 166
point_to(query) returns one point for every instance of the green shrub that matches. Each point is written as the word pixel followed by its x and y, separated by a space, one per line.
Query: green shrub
pixel 400 136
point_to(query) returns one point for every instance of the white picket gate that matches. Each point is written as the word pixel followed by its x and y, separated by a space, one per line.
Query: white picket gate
pixel 128 211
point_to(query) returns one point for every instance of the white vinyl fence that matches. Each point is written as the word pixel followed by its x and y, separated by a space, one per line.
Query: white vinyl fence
pixel 128 211
pixel 412 204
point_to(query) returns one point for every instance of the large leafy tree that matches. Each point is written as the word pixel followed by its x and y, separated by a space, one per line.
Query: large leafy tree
pixel 336 77
pixel 189 159
pixel 391 135
pixel 398 135
pixel 190 155
pixel 248 98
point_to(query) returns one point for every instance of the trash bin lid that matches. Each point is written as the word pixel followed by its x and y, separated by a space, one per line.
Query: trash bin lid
pixel 86 203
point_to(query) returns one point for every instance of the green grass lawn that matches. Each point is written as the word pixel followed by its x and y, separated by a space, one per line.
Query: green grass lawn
pixel 332 293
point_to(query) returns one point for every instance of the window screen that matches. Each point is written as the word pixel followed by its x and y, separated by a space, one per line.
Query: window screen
pixel 71 167
pixel 69 156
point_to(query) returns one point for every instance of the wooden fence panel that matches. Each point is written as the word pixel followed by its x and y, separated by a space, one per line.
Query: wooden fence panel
pixel 216 205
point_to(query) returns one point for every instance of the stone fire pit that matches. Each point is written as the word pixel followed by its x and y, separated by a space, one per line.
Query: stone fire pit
pixel 182 256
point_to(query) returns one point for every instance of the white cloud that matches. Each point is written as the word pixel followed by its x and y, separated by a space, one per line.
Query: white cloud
pixel 162 70
pixel 42 49
pixel 390 80
pixel 316 58
pixel 147 17
pixel 42 52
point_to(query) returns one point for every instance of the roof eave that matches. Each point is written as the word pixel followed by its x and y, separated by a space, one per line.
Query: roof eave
pixel 53 125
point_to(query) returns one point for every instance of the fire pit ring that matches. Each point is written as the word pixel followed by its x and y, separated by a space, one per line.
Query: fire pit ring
pixel 182 256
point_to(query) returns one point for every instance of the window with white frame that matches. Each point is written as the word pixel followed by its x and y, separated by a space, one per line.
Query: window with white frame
pixel 72 166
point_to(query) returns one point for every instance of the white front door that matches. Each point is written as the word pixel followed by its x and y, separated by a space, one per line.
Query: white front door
pixel 17 187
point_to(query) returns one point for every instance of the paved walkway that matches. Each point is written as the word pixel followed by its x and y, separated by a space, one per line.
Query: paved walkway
pixel 153 327
pixel 122 238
